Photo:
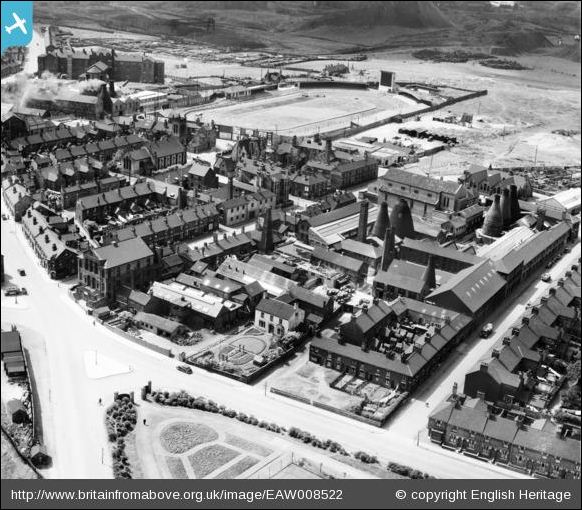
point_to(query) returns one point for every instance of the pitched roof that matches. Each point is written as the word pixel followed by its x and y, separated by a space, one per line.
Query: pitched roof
pixel 276 308
pixel 167 325
pixel 337 259
pixel 474 286
pixel 420 181
pixel 124 253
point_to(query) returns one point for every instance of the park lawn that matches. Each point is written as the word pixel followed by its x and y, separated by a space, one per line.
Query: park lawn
pixel 181 437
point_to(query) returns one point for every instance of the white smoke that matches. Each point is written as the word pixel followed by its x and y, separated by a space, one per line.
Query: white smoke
pixel 89 87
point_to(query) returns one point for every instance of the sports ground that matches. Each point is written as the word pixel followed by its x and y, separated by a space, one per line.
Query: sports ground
pixel 307 112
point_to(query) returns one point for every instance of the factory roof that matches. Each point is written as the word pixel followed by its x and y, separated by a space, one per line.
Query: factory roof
pixel 336 259
pixel 474 286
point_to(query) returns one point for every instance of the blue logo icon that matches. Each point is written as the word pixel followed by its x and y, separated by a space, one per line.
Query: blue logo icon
pixel 17 26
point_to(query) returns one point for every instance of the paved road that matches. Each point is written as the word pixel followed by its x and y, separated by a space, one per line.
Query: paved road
pixel 439 386
pixel 73 419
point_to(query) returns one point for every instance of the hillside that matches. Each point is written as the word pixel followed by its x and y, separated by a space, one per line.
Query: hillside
pixel 325 26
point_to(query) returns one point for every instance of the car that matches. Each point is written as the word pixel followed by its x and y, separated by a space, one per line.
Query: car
pixel 22 272
pixel 12 291
pixel 184 368
pixel 4 217
pixel 486 330
pixel 546 277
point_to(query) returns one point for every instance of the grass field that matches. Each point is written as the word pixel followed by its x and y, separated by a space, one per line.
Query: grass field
pixel 308 112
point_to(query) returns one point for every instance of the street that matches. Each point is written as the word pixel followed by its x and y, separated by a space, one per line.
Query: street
pixel 73 420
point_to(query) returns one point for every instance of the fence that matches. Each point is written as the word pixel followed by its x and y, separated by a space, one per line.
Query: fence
pixel 315 403
pixel 139 341
pixel 276 465
pixel 24 459
pixel 37 434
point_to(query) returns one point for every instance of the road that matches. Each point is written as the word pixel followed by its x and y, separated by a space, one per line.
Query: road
pixel 73 420
pixel 463 358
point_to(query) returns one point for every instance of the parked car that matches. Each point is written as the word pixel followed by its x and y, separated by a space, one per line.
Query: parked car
pixel 487 330
pixel 22 272
pixel 184 368
pixel 12 291
pixel 546 277
pixel 4 217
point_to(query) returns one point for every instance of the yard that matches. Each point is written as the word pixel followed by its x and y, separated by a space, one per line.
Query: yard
pixel 345 393
pixel 240 355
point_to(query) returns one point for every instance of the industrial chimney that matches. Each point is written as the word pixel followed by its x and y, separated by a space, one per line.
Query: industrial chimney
pixel 493 223
pixel 388 252
pixel 514 203
pixel 506 208
pixel 363 225
pixel 382 221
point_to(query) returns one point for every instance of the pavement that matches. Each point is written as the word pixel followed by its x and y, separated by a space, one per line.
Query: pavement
pixel 74 421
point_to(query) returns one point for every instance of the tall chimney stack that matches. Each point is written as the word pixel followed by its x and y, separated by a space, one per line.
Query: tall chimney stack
pixel 363 225
pixel 514 203
pixel 382 221
pixel 388 252
pixel 506 208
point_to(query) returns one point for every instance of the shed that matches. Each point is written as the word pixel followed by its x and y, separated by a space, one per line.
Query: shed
pixel 17 411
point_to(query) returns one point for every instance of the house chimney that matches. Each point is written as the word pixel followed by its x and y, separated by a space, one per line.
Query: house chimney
pixel 481 394
pixel 551 292
pixel 427 338
pixel 535 310
pixel 364 345
pixel 568 274
pixel 484 366
pixel 525 321
pixel 417 348
pixel 544 299
pixel 437 329
pixel 363 224
pixel 561 282
pixel 506 340
pixel 231 187
pixel 495 353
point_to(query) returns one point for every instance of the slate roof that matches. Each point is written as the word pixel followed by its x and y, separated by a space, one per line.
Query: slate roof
pixel 473 286
pixel 276 308
pixel 337 259
pixel 124 253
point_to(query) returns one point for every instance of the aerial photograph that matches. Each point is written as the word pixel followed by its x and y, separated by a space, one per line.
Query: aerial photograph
pixel 276 241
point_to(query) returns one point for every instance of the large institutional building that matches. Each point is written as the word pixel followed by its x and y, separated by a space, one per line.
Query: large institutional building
pixel 99 63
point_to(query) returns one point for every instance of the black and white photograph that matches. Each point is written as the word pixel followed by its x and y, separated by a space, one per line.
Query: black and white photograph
pixel 291 254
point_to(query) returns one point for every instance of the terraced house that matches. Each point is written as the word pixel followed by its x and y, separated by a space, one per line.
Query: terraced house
pixel 473 427
pixel 53 254
pixel 395 345
pixel 180 226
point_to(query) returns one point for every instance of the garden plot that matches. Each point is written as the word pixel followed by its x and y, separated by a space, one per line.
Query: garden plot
pixel 181 437
pixel 212 446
